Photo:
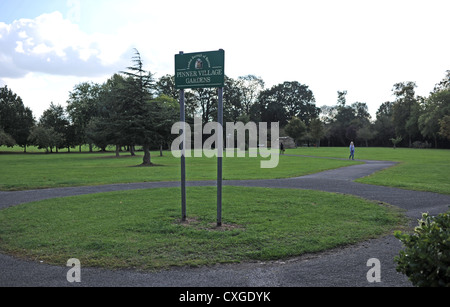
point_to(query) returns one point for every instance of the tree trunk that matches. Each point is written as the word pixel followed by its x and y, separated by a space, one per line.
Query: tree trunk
pixel 117 150
pixel 147 158
pixel 160 150
pixel 132 150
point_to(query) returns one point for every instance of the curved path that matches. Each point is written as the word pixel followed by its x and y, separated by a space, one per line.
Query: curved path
pixel 342 267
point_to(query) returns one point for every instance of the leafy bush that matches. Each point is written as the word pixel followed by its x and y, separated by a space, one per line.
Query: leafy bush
pixel 419 144
pixel 426 257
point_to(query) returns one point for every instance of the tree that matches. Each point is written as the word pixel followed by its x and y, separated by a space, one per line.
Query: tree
pixel 341 101
pixel 384 126
pixel 27 122
pixel 54 117
pixel 298 100
pixel 444 124
pixel 327 117
pixel 16 120
pixel 362 122
pixel 110 126
pixel 207 102
pixel 166 86
pixel 165 112
pixel 366 134
pixel 345 123
pixel 296 128
pixel 82 106
pixel 444 84
pixel 268 108
pixel 250 86
pixel 98 134
pixel 317 131
pixel 6 139
pixel 429 121
pixel 362 114
pixel 342 126
pixel 286 100
pixel 396 141
pixel 45 137
pixel 233 107
pixel 435 108
pixel 405 110
pixel 137 92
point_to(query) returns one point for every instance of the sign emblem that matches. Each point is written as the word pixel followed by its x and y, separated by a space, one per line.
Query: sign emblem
pixel 198 64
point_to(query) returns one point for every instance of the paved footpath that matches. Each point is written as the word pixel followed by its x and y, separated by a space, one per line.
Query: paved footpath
pixel 342 267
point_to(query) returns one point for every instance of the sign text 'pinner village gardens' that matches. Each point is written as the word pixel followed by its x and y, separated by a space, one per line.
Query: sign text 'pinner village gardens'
pixel 199 77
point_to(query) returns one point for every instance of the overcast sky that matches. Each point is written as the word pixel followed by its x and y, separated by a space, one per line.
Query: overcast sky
pixel 364 47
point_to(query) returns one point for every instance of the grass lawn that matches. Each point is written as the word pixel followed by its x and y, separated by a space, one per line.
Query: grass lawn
pixel 34 171
pixel 419 169
pixel 142 230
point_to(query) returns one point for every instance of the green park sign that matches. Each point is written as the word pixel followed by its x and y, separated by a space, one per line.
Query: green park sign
pixel 200 69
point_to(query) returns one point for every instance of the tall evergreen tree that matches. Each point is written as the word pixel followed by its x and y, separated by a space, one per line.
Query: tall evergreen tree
pixel 138 91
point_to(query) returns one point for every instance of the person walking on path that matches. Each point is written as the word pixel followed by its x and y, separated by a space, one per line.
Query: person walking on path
pixel 352 151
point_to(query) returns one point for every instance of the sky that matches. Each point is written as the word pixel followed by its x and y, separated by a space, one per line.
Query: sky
pixel 364 47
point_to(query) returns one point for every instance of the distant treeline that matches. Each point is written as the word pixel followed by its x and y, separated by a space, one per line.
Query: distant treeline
pixel 133 109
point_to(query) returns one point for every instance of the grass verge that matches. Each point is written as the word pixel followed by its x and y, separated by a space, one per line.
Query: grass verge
pixel 418 169
pixel 142 229
pixel 36 171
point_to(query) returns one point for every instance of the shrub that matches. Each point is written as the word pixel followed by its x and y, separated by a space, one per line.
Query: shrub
pixel 419 144
pixel 426 257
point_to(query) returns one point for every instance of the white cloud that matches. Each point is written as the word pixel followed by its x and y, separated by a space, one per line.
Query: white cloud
pixel 42 59
pixel 19 47
pixel 51 44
